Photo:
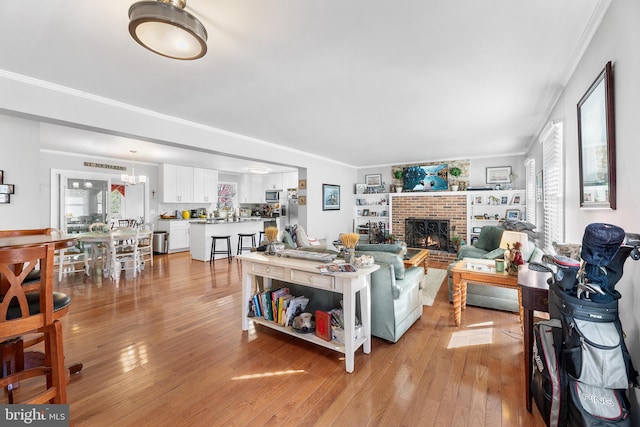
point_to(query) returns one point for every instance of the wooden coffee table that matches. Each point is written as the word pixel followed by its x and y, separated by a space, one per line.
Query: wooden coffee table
pixel 469 270
pixel 416 257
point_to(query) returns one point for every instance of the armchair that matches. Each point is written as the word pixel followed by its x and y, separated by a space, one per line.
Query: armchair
pixel 488 247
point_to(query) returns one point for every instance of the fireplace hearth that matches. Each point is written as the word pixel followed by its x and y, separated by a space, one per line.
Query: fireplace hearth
pixel 430 234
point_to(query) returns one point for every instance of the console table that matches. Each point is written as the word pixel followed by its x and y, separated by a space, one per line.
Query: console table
pixel 306 273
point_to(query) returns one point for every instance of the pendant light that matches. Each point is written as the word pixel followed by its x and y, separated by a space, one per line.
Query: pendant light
pixel 133 179
pixel 165 28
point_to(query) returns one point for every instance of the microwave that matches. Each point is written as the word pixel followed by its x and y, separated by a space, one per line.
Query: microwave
pixel 272 196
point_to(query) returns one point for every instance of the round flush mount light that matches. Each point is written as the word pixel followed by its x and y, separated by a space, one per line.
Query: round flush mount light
pixel 165 28
pixel 258 170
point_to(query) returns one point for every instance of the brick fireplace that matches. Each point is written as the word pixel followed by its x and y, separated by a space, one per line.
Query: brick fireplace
pixel 445 206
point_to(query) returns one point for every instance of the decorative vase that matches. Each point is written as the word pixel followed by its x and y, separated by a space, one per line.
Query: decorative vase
pixel 349 254
pixel 398 189
pixel 454 187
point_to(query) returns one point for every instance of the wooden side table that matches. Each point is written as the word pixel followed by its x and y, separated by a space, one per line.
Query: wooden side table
pixel 416 257
pixel 535 297
pixel 463 273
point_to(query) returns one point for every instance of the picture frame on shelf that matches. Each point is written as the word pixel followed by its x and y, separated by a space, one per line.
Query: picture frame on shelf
pixel 365 212
pixel 512 214
pixel 361 188
pixel 373 180
pixel 478 200
pixel 516 199
pixel 330 197
pixel 476 229
pixel 504 200
pixel 499 175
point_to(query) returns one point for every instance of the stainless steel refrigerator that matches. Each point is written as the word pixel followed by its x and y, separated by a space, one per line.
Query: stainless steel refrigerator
pixel 291 207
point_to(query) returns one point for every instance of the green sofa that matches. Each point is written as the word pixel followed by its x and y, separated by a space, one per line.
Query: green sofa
pixel 487 247
pixel 395 292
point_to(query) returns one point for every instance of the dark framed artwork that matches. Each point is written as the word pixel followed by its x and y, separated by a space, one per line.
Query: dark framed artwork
pixel 596 143
pixel 499 175
pixel 330 197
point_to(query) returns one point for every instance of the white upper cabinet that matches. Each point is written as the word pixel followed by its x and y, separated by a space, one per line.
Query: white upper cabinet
pixel 177 183
pixel 251 189
pixel 205 185
pixel 272 181
pixel 289 180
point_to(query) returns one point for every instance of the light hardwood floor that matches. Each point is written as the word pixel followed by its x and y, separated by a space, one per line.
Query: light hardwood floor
pixel 167 349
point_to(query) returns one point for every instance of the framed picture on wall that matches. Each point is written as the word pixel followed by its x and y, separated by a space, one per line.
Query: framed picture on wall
pixel 373 180
pixel 330 197
pixel 499 175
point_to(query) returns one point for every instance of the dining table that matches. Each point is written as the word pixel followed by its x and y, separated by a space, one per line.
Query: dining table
pixel 97 240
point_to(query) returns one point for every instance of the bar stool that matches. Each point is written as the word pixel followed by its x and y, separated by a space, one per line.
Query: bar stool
pixel 241 237
pixel 226 252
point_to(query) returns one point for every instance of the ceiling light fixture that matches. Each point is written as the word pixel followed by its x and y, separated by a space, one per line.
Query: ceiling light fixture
pixel 133 179
pixel 258 170
pixel 164 27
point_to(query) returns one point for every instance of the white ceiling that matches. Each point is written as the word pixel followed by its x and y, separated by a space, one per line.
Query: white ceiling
pixel 376 81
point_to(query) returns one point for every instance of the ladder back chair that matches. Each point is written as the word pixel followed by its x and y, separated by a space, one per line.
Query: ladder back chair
pixel 32 308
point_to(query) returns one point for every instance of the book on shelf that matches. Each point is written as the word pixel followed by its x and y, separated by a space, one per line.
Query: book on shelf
pixel 296 306
pixel 336 268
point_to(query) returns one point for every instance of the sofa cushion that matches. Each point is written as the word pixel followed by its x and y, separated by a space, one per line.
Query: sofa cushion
pixel 301 237
pixel 384 247
pixel 496 253
pixel 386 257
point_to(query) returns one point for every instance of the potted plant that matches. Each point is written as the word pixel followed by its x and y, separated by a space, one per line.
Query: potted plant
pixel 456 172
pixel 397 174
pixel 455 242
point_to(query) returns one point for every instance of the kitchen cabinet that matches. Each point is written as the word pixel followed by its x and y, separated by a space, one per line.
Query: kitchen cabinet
pixel 179 236
pixel 251 189
pixel 272 181
pixel 177 183
pixel 205 185
pixel 289 180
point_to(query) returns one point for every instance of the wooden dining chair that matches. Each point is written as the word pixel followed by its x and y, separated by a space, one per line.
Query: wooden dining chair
pixel 145 245
pixel 124 251
pixel 27 309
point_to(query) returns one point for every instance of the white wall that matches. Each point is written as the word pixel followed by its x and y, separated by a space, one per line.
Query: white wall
pixel 20 161
pixel 617 40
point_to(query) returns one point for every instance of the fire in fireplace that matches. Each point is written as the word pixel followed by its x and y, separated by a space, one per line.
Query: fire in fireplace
pixel 427 233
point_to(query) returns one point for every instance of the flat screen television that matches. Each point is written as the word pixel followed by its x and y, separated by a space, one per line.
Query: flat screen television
pixel 426 178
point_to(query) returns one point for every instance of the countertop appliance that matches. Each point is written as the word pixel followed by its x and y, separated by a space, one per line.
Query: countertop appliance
pixel 272 196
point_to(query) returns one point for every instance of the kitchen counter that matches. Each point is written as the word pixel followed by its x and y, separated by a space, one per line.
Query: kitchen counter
pixel 224 221
pixel 202 230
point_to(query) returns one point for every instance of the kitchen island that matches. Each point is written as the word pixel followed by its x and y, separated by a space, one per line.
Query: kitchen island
pixel 202 230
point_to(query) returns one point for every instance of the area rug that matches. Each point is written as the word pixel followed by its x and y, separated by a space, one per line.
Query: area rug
pixel 431 285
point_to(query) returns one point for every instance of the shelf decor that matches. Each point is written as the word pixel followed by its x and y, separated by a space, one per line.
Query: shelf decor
pixel 374 180
pixel 5 190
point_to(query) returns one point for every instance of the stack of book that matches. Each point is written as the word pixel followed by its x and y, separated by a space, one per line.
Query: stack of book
pixel 277 305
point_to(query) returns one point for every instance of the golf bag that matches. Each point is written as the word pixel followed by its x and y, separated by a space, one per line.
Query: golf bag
pixel 594 368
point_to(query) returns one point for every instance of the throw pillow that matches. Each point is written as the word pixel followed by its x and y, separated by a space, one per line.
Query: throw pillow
pixel 301 237
pixel 288 241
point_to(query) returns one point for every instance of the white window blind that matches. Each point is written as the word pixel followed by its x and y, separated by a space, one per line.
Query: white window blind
pixel 530 172
pixel 552 161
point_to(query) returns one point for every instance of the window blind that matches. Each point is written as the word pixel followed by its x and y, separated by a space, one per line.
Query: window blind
pixel 552 149
pixel 530 186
